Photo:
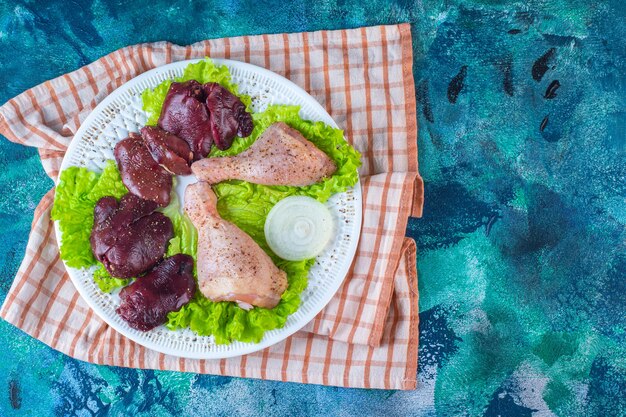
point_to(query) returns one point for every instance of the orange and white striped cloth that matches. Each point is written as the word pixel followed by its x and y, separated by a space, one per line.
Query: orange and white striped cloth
pixel 367 336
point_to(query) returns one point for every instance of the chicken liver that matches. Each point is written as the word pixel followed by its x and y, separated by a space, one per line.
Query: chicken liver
pixel 129 238
pixel 167 149
pixel 148 300
pixel 185 114
pixel 228 115
pixel 141 174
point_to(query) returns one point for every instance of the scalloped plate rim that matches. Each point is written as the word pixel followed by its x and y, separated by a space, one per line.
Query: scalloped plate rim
pixel 282 333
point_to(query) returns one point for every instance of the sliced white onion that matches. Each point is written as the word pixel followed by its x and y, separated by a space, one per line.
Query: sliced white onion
pixel 298 228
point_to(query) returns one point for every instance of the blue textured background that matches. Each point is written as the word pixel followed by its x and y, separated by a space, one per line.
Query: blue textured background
pixel 522 254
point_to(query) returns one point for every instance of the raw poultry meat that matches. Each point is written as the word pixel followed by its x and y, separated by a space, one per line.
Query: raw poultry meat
pixel 185 114
pixel 203 115
pixel 228 115
pixel 168 150
pixel 280 156
pixel 231 266
pixel 168 287
pixel 141 174
pixel 129 237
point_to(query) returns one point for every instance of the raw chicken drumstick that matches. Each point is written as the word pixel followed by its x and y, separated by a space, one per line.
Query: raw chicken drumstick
pixel 280 156
pixel 231 266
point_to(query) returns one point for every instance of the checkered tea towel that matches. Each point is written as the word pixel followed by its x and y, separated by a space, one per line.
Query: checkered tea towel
pixel 367 336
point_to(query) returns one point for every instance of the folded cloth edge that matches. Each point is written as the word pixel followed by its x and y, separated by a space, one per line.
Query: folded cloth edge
pixel 394 261
pixel 410 106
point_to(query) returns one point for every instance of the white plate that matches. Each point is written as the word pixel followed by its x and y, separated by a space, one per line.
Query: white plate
pixel 121 113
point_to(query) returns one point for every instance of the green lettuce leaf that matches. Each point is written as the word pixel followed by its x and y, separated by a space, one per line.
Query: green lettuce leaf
pixel 106 282
pixel 185 238
pixel 204 71
pixel 76 196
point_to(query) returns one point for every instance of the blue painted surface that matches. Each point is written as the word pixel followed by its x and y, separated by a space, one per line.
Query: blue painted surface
pixel 521 248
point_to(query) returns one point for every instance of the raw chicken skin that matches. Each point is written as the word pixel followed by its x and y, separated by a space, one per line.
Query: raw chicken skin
pixel 231 266
pixel 280 156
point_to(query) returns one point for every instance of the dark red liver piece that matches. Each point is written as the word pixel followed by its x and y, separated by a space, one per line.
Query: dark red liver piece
pixel 228 115
pixel 184 113
pixel 129 238
pixel 168 287
pixel 168 150
pixel 141 174
pixel 203 115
